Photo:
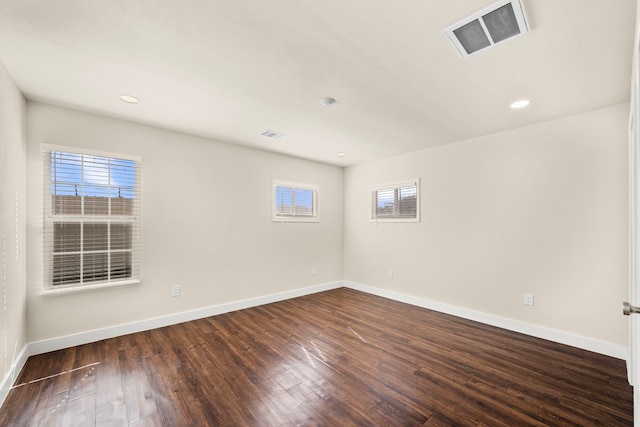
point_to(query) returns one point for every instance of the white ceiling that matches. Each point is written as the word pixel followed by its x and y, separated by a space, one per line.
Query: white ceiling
pixel 228 70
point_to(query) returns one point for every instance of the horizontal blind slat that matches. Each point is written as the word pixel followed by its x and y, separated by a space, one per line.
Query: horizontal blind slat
pixel 395 201
pixel 91 218
pixel 291 202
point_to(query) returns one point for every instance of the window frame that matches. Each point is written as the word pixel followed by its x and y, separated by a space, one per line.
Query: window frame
pixel 373 193
pixel 50 220
pixel 314 188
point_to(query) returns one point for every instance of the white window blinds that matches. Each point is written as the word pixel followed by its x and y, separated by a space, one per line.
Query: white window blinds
pixel 91 219
pixel 295 202
pixel 395 201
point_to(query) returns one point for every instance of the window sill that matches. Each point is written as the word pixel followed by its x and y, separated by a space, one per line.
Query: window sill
pixel 54 292
pixel 377 220
pixel 293 219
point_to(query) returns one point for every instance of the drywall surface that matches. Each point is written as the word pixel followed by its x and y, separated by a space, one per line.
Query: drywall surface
pixel 206 224
pixel 540 209
pixel 12 225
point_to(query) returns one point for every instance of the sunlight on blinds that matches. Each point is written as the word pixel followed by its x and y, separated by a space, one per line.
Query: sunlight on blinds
pixel 294 202
pixel 395 201
pixel 91 219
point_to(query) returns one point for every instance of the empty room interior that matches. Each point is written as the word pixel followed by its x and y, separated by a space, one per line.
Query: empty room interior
pixel 319 213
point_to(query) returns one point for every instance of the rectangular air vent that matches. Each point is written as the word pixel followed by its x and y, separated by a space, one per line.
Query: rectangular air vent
pixel 494 24
pixel 273 134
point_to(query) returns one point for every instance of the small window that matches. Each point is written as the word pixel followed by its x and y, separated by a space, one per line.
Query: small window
pixel 396 202
pixel 91 219
pixel 295 202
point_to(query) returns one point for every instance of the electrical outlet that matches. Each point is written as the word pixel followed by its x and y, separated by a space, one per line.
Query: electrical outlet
pixel 528 299
pixel 314 270
pixel 175 290
pixel 390 275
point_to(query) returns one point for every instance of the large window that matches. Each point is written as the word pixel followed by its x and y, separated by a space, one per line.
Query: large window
pixel 396 202
pixel 91 208
pixel 295 202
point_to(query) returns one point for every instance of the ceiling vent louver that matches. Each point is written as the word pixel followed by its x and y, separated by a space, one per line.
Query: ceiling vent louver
pixel 494 24
pixel 273 134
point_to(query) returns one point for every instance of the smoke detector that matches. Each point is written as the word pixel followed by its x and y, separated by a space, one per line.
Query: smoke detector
pixel 327 102
pixel 501 21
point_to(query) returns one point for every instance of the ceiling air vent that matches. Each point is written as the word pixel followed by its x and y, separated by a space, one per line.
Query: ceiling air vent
pixel 273 134
pixel 494 24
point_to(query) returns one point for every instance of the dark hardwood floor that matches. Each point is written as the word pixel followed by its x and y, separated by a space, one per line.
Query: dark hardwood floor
pixel 336 358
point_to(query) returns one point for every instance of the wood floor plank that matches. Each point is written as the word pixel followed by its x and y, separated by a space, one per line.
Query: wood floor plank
pixel 111 407
pixel 137 390
pixel 80 412
pixel 340 357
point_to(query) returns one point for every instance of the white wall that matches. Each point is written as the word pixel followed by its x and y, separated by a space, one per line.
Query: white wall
pixel 540 209
pixel 12 229
pixel 205 224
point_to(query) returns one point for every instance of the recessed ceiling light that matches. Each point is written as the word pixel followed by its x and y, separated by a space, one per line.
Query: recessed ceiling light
pixel 130 99
pixel 341 154
pixel 327 102
pixel 520 104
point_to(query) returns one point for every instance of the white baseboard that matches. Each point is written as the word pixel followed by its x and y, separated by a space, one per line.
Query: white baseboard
pixel 39 347
pixel 602 347
pixel 590 344
pixel 44 346
pixel 59 343
pixel 12 374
